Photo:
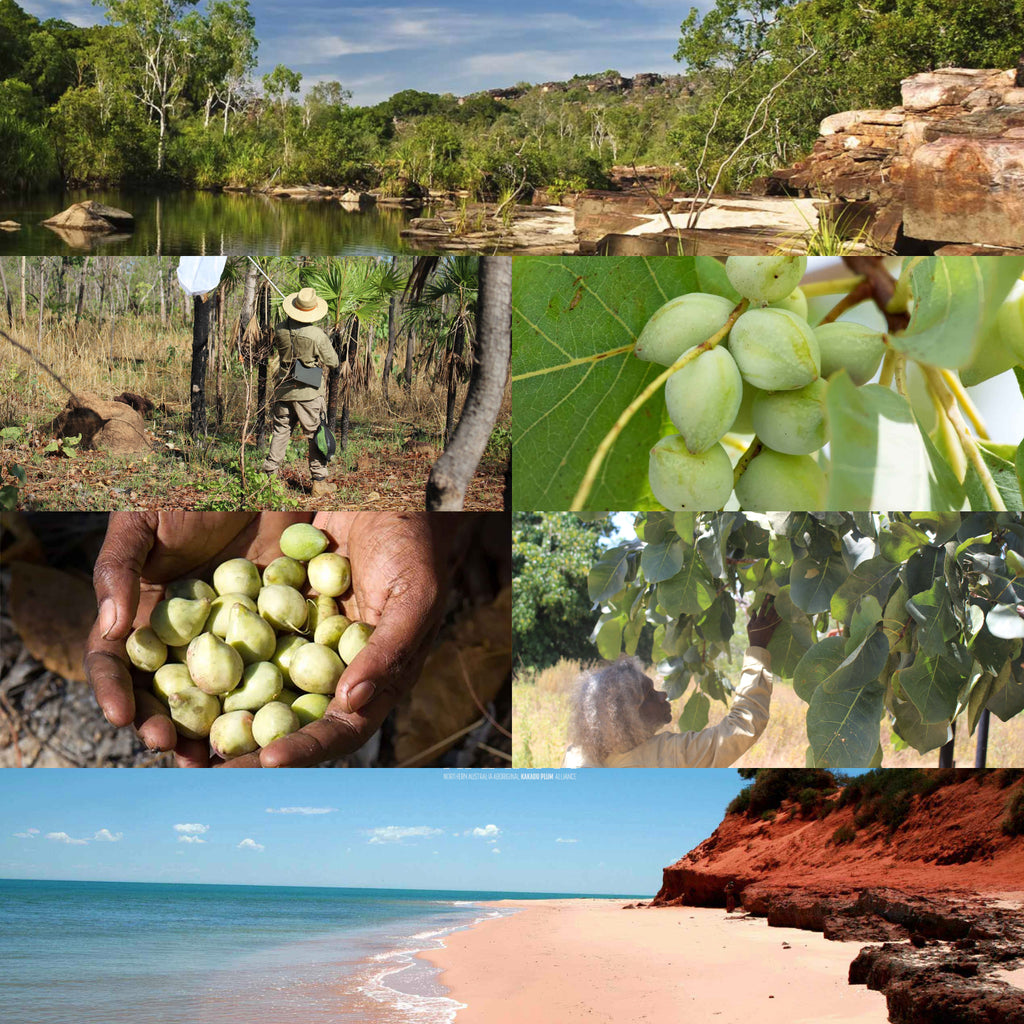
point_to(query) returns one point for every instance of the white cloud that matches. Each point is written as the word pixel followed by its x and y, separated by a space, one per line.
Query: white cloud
pixel 250 844
pixel 561 840
pixel 396 833
pixel 192 829
pixel 29 833
pixel 106 836
pixel 495 850
pixel 63 837
pixel 190 839
pixel 301 810
pixel 487 832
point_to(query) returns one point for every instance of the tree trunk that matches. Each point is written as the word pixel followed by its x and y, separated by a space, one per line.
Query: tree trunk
pixel 80 304
pixel 24 304
pixel 459 343
pixel 451 474
pixel 262 361
pixel 351 367
pixel 334 379
pixel 392 338
pixel 7 296
pixel 202 309
pixel 410 350
pixel 163 294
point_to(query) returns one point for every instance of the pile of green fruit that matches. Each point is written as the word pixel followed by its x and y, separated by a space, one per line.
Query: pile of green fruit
pixel 766 377
pixel 250 659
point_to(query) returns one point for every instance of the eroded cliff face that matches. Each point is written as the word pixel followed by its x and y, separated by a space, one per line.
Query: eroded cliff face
pixel 947 166
pixel 944 893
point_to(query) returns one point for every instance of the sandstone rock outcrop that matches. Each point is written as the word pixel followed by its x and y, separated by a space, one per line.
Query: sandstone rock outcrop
pixel 92 216
pixel 947 166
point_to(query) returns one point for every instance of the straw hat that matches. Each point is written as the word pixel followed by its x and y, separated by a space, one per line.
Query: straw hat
pixel 305 306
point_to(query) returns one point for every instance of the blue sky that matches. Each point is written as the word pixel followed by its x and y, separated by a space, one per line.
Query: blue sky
pixel 590 831
pixel 458 46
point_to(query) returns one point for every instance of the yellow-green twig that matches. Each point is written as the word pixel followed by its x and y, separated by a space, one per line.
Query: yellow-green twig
pixel 888 368
pixel 815 289
pixel 955 385
pixel 579 502
pixel 952 411
pixel 899 370
pixel 957 456
pixel 753 450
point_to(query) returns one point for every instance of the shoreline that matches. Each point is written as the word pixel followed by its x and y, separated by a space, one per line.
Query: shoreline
pixel 584 960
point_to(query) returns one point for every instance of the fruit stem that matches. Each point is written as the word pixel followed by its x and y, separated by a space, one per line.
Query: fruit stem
pixel 579 502
pixel 816 289
pixel 955 385
pixel 888 368
pixel 952 411
pixel 957 456
pixel 746 459
pixel 900 373
pixel 861 293
pixel 621 350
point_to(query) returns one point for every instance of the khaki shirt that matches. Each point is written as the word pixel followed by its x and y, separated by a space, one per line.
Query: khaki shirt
pixel 294 340
pixel 718 746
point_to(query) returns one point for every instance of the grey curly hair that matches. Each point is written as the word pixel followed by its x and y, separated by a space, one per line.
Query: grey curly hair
pixel 605 717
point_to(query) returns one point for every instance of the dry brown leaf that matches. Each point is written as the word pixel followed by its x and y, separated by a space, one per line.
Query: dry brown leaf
pixel 480 651
pixel 53 612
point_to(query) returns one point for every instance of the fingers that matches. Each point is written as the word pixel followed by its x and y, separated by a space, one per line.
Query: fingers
pixel 110 678
pixel 129 539
pixel 334 735
pixel 192 753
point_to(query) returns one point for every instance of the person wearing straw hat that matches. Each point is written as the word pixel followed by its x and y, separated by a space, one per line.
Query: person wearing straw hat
pixel 304 350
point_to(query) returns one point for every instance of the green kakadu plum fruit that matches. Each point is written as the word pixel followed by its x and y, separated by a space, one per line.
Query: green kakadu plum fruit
pixel 213 665
pixel 283 607
pixel 302 541
pixel 219 619
pixel 287 571
pixel 795 302
pixel 193 712
pixel 744 422
pixel 329 574
pixel 284 651
pixel 318 609
pixel 331 630
pixel 792 422
pixel 765 278
pixel 146 705
pixel 177 620
pixel 171 678
pixel 178 654
pixel 231 735
pixel 703 399
pixel 311 707
pixel 681 323
pixel 682 481
pixel 852 347
pixel 191 589
pixel 316 669
pixel 775 350
pixel 1001 347
pixel 776 482
pixel 289 697
pixel 145 649
pixel 253 638
pixel 261 683
pixel 353 640
pixel 237 576
pixel 1010 321
pixel 273 721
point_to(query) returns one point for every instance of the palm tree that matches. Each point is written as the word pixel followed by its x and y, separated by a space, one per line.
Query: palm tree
pixel 444 309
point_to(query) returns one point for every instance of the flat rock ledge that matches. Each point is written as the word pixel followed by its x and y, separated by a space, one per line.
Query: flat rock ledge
pixel 942 172
pixel 91 216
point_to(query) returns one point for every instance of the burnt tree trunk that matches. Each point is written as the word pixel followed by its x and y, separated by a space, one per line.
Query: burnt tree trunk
pixel 451 474
pixel 334 378
pixel 458 344
pixel 410 350
pixel 392 339
pixel 80 305
pixel 7 297
pixel 263 359
pixel 202 309
pixel 351 363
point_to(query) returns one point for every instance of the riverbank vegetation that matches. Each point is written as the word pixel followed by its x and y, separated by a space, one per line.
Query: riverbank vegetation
pixel 165 95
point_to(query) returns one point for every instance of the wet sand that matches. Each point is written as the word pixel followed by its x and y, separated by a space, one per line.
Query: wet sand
pixel 570 961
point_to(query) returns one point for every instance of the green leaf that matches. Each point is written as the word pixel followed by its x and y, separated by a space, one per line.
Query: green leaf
pixel 1005 622
pixel 900 541
pixel 711 277
pixel 933 613
pixel 1004 472
pixel 608 575
pixel 683 523
pixel 661 561
pixel 955 297
pixel 865 618
pixel 1008 702
pixel 694 716
pixel 691 591
pixel 1019 465
pixel 912 729
pixel 787 646
pixel 875 577
pixel 933 684
pixel 843 727
pixel 880 457
pixel 979 694
pixel 812 584
pixel 11 433
pixel 567 392
pixel 608 637
pixel 817 665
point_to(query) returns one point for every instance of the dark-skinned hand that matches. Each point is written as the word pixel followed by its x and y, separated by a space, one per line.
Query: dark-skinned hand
pixel 762 624
pixel 399 561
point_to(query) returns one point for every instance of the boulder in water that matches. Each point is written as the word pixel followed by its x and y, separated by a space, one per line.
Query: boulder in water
pixel 92 216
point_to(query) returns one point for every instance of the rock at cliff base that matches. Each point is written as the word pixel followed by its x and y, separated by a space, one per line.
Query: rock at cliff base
pixel 92 216
pixel 112 427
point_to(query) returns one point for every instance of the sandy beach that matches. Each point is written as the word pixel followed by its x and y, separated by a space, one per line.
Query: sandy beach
pixel 590 961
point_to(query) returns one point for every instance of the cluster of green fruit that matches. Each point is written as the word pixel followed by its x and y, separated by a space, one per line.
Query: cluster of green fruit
pixel 222 657
pixel 767 377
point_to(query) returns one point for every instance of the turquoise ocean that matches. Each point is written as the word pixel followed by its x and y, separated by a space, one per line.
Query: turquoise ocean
pixel 141 953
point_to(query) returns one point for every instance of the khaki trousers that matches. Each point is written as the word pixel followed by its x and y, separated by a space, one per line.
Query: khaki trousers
pixel 285 417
